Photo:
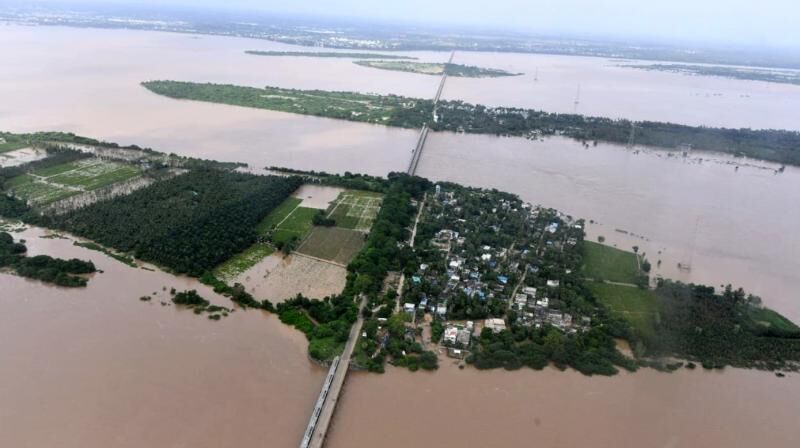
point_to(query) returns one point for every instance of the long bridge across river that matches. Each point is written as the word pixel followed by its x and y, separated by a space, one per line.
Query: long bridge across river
pixel 325 406
pixel 423 133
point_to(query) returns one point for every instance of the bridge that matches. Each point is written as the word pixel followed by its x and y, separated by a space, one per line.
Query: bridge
pixel 423 133
pixel 321 416
pixel 325 406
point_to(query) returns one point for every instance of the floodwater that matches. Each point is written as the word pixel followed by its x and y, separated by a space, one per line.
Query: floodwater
pixel 100 368
pixel 278 277
pixel 97 367
pixel 317 196
pixel 549 409
pixel 730 226
pixel 602 88
pixel 87 81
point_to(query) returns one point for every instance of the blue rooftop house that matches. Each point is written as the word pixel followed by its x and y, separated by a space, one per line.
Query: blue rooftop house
pixel 416 279
pixel 502 279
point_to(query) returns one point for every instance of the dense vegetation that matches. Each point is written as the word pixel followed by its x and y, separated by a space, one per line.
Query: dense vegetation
pixel 42 267
pixel 390 110
pixel 328 54
pixel 772 145
pixel 190 223
pixel 716 329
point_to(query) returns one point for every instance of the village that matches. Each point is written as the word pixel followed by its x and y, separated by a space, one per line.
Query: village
pixel 487 262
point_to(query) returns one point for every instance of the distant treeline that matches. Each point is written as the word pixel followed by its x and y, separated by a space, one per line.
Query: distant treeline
pixel 42 267
pixel 190 223
pixel 772 145
pixel 328 54
pixel 751 74
pixel 778 146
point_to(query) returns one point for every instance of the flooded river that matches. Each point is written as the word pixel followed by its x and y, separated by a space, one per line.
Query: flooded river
pixel 549 409
pixel 97 367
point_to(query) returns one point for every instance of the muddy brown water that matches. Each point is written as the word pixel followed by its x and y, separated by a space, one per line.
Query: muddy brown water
pixel 99 368
pixel 96 367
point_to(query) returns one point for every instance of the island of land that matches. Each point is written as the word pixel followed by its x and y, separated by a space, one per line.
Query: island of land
pixel 744 73
pixel 328 54
pixel 430 269
pixel 778 146
pixel 436 68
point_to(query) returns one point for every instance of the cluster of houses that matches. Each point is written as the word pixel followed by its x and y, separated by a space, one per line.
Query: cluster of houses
pixel 483 272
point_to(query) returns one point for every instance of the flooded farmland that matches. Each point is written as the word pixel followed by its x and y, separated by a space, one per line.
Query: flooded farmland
pixel 99 368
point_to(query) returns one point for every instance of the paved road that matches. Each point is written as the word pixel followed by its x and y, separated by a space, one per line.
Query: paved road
pixel 326 415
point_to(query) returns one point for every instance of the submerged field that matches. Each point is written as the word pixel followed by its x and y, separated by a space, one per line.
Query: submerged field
pixel 356 210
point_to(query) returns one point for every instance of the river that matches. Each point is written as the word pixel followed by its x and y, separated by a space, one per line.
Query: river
pixel 97 367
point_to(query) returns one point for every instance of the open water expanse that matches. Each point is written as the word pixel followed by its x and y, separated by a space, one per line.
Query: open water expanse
pixel 98 368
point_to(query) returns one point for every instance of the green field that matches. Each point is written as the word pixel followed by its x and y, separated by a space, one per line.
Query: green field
pixel 279 214
pixel 243 261
pixel 26 187
pixel 333 243
pixel 608 263
pixel 9 146
pixel 287 221
pixel 638 306
pixel 50 184
pixel 356 210
pixel 770 319
pixel 436 68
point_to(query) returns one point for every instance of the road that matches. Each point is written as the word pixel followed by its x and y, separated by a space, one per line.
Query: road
pixel 323 422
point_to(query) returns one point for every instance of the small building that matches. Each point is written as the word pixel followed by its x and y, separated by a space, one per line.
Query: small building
pixel 441 311
pixel 553 283
pixel 502 279
pixel 486 257
pixel 455 353
pixel 495 324
pixel 409 308
pixel 544 302
pixel 463 337
pixel 529 290
pixel 450 334
pixel 416 279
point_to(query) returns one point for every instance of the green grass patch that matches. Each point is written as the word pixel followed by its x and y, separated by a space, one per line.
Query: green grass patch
pixel 638 306
pixel 299 220
pixel 602 262
pixel 278 215
pixel 12 146
pixel 333 243
pixel 325 348
pixel 27 188
pixel 243 261
pixel 96 176
pixel 772 320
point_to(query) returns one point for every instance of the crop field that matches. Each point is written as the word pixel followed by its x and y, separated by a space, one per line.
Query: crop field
pixel 37 193
pixel 333 243
pixel 608 263
pixel 637 306
pixel 356 210
pixel 61 181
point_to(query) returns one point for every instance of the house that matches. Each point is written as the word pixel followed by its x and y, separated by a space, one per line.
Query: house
pixel 521 300
pixel 441 311
pixel 531 291
pixel 553 283
pixel 502 279
pixel 552 228
pixel 423 304
pixel 455 353
pixel 463 337
pixel 416 279
pixel 495 324
pixel 486 257
pixel 409 308
pixel 423 267
pixel 544 302
pixel 450 334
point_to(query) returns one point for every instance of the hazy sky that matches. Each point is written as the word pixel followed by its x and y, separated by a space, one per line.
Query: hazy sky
pixel 754 22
